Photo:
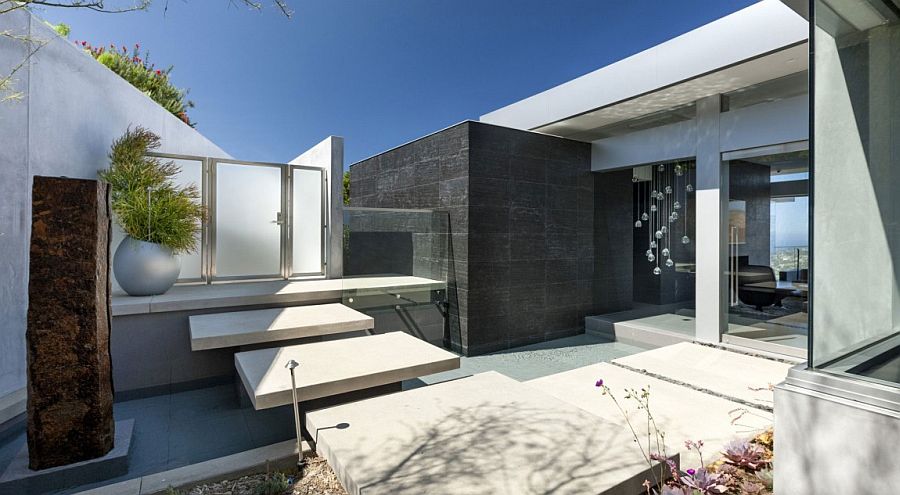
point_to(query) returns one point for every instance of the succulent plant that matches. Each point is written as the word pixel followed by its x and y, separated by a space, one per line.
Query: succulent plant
pixel 705 482
pixel 766 477
pixel 746 455
pixel 675 490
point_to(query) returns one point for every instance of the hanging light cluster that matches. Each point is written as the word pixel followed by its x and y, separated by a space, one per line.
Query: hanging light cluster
pixel 669 186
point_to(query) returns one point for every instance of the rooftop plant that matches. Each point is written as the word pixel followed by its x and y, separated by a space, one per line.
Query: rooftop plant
pixel 137 70
pixel 147 203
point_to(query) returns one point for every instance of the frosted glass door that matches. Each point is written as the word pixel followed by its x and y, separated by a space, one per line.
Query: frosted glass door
pixel 247 221
pixel 308 226
pixel 191 174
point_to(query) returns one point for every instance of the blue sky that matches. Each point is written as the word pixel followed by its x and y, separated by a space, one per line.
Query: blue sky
pixel 377 72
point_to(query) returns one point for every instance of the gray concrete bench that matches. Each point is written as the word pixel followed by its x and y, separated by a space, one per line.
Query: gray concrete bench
pixel 336 367
pixel 239 328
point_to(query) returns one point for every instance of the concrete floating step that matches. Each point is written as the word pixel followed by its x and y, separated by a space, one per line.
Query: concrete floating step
pixel 213 331
pixel 741 377
pixel 482 434
pixel 338 366
pixel 681 412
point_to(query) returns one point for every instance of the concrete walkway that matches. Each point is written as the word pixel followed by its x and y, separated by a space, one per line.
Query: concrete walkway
pixel 492 434
pixel 485 434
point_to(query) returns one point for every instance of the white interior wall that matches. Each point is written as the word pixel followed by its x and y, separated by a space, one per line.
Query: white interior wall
pixel 72 110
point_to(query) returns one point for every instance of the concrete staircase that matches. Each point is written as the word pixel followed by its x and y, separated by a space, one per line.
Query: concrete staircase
pixel 239 328
pixel 340 369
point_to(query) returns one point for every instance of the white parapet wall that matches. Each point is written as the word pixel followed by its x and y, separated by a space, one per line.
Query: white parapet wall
pixel 71 110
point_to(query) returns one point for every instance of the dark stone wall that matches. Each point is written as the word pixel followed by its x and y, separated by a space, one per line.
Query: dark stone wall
pixel 614 242
pixel 520 209
pixel 750 182
pixel 527 192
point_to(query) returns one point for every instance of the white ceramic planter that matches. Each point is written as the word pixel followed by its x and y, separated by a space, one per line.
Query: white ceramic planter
pixel 145 268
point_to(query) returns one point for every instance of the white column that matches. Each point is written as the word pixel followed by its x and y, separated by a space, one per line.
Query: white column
pixel 712 198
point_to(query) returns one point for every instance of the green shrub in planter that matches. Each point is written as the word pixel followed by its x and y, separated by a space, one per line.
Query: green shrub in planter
pixel 147 203
pixel 160 218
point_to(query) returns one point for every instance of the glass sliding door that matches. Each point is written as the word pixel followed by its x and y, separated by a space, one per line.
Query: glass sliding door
pixel 649 261
pixel 856 202
pixel 767 249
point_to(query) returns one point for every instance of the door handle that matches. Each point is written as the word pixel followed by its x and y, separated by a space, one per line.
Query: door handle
pixel 279 218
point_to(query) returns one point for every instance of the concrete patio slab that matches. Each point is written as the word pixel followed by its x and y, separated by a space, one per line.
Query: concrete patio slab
pixel 483 434
pixel 238 328
pixel 680 412
pixel 365 362
pixel 746 378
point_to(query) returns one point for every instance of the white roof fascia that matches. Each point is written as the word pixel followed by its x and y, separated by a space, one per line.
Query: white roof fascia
pixel 762 28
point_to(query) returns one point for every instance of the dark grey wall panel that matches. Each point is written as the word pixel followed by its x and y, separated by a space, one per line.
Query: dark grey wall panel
pixel 521 209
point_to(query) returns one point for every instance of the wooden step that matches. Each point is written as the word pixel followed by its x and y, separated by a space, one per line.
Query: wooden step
pixel 338 366
pixel 238 328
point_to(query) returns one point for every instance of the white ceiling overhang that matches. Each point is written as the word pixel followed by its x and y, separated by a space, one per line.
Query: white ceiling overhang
pixel 761 42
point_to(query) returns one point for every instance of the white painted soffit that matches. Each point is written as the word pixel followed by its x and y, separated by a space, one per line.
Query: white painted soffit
pixel 756 32
pixel 755 71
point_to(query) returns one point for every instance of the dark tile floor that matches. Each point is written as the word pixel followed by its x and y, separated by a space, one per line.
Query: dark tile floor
pixel 175 430
pixel 183 428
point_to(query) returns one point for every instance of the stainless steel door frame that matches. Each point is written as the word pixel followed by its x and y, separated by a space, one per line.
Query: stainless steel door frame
pixel 289 268
pixel 204 201
pixel 213 217
pixel 209 196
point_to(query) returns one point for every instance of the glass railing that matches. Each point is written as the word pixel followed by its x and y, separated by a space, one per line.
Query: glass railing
pixel 396 265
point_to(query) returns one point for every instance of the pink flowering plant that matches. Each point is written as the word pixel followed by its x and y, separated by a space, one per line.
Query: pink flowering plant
pixel 135 67
pixel 745 467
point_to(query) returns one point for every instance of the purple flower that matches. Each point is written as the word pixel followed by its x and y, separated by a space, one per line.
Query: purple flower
pixel 691 472
pixel 599 383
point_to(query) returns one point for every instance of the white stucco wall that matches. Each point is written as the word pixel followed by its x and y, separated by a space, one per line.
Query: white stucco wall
pixel 73 109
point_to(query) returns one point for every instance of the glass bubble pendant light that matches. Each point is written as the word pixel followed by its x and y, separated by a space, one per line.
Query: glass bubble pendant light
pixel 638 224
pixel 645 217
pixel 669 262
pixel 657 271
pixel 685 240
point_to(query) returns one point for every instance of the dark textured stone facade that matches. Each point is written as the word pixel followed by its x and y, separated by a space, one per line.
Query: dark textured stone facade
pixel 70 393
pixel 522 231
pixel 751 183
